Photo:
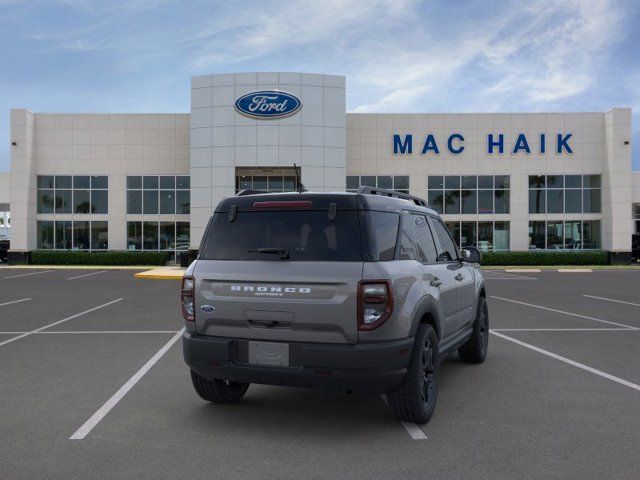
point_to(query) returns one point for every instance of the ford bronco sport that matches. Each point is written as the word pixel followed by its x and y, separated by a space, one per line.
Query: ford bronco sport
pixel 361 291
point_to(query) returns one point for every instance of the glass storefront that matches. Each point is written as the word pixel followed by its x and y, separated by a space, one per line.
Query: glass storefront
pixel 153 194
pixel 486 236
pixel 73 194
pixel 72 235
pixel 565 235
pixel 564 194
pixel 399 183
pixel 172 237
pixel 469 194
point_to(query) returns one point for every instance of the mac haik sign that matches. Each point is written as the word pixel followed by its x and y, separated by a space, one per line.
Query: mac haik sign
pixel 495 144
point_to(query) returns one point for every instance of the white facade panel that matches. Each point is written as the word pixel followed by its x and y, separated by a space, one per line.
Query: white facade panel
pixel 242 141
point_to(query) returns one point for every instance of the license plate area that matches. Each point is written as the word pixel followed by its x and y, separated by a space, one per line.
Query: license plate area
pixel 269 353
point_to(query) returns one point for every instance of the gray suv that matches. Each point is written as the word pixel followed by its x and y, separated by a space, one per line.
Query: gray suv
pixel 361 291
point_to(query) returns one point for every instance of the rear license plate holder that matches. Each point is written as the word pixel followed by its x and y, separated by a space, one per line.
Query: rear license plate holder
pixel 269 353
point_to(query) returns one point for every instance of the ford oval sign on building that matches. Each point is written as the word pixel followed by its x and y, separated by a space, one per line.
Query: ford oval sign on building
pixel 268 104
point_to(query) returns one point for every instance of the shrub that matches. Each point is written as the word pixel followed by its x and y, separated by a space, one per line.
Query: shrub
pixel 64 257
pixel 545 258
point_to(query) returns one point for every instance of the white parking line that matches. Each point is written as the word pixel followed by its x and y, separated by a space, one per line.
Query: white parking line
pixel 603 329
pixel 498 275
pixel 89 425
pixel 14 301
pixel 86 275
pixel 612 300
pixel 84 332
pixel 508 278
pixel 414 431
pixel 37 330
pixel 582 366
pixel 512 273
pixel 28 274
pixel 563 312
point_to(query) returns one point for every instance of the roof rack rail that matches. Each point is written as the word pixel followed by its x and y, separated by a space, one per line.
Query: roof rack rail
pixel 249 191
pixel 392 193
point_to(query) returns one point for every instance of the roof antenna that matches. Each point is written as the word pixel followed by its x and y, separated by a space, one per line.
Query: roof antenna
pixel 301 188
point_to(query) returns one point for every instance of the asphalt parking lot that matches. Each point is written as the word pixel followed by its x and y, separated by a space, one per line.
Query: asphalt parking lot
pixel 93 386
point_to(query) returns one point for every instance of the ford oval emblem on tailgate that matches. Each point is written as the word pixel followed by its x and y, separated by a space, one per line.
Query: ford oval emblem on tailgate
pixel 207 308
pixel 267 104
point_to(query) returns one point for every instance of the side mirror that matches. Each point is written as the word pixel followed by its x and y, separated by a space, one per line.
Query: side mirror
pixel 471 255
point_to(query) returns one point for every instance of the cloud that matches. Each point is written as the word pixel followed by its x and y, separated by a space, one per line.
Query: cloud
pixel 269 30
pixel 528 57
pixel 551 56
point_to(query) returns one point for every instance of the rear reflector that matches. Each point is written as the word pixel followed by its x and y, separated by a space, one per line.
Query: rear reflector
pixel 284 204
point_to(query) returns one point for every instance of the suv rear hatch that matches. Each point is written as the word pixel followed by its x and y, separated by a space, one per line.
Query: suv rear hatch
pixel 281 267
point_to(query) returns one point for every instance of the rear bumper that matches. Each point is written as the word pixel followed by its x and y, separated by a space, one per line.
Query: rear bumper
pixel 366 367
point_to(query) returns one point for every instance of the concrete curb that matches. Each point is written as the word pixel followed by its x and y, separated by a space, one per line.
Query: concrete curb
pixel 74 267
pixel 161 274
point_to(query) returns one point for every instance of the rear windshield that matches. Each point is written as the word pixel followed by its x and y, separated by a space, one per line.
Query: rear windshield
pixel 303 235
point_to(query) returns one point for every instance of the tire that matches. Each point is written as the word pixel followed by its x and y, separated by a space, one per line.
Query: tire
pixel 475 349
pixel 415 400
pixel 218 391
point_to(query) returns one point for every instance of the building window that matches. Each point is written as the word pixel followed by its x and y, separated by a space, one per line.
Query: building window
pixel 486 236
pixel 399 183
pixel 565 235
pixel 468 194
pixel 266 183
pixel 564 194
pixel 45 235
pixel 153 194
pixel 636 217
pixel 158 236
pixel 71 194
pixel 73 235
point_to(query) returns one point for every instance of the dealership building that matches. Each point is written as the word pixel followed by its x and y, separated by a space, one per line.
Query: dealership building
pixel 503 181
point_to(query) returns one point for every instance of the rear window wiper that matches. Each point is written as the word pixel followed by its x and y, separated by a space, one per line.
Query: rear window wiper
pixel 283 252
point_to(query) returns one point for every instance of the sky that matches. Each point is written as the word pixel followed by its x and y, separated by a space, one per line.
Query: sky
pixel 398 56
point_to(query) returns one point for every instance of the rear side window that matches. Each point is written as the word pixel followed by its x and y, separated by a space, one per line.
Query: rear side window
pixel 448 247
pixel 382 234
pixel 424 240
pixel 305 235
pixel 407 249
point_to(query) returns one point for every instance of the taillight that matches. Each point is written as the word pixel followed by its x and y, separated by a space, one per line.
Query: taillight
pixel 186 298
pixel 375 303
